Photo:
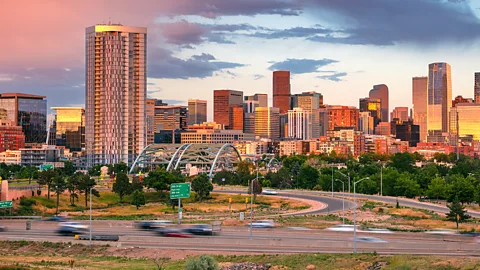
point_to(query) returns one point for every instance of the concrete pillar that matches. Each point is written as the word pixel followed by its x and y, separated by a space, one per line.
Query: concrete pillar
pixel 4 195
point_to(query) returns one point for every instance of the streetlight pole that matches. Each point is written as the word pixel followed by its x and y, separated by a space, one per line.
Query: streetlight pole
pixel 381 179
pixel 348 177
pixel 251 208
pixel 355 214
pixel 332 181
pixel 343 200
pixel 90 243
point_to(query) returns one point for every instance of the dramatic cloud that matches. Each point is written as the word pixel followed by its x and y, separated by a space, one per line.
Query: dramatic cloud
pixel 300 66
pixel 183 32
pixel 167 66
pixel 336 77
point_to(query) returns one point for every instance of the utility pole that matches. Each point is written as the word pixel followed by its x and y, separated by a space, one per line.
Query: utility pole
pixel 458 139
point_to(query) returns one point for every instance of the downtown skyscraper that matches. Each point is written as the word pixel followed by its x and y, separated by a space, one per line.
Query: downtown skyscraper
pixel 281 90
pixel 116 93
pixel 419 101
pixel 439 97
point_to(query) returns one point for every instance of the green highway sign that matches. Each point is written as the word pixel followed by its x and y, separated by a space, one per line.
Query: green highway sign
pixel 6 204
pixel 180 190
pixel 46 167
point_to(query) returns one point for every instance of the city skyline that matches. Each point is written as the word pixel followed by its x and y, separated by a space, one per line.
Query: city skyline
pixel 316 62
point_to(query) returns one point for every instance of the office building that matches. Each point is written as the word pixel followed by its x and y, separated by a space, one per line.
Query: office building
pixel 468 120
pixel 116 93
pixel 300 124
pixel 222 101
pixel 11 157
pixel 381 92
pixel 150 116
pixel 310 102
pixel 215 136
pixel 281 90
pixel 342 116
pixel 439 97
pixel 249 123
pixel 170 117
pixel 267 121
pixel 11 136
pixel 406 131
pixel 476 87
pixel 69 128
pixel 365 123
pixel 261 98
pixel 383 128
pixel 283 125
pixel 197 111
pixel 373 106
pixel 39 156
pixel 27 111
pixel 461 99
pixel 236 116
pixel 419 101
pixel 400 113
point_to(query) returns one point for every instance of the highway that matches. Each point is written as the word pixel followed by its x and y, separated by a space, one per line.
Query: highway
pixel 278 240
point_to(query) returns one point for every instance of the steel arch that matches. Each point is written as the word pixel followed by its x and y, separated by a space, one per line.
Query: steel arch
pixel 218 154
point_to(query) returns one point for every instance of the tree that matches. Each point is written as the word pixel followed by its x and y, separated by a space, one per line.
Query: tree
pixel 137 184
pixel 85 183
pixel 72 187
pixel 257 189
pixel 307 178
pixel 460 189
pixel 403 162
pixel 122 186
pixel 160 179
pixel 280 179
pixel 138 198
pixel 225 177
pixel 68 168
pixel 368 186
pixel 405 186
pixel 202 186
pixel 59 186
pixel 457 212
pixel 437 188
pixel 46 178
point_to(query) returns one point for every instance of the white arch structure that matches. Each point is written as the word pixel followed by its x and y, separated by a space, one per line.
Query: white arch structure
pixel 210 157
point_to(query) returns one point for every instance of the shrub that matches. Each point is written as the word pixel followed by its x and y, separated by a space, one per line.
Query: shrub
pixel 317 187
pixel 203 262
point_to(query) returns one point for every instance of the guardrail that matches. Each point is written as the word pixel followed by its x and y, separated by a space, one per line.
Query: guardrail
pixel 25 188
pixel 20 217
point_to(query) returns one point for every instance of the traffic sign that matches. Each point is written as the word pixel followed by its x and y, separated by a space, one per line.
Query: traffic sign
pixel 46 167
pixel 6 204
pixel 179 190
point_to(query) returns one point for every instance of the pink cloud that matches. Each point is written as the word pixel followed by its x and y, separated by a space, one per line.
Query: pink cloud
pixel 183 32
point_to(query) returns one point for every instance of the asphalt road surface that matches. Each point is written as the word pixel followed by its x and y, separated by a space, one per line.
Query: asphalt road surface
pixel 236 239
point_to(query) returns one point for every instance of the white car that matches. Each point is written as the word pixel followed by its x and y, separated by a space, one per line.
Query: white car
pixel 342 228
pixel 375 230
pixel 263 224
pixel 370 240
pixel 442 231
pixel 269 192
pixel 74 225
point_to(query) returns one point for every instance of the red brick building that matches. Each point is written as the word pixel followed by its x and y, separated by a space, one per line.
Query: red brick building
pixel 11 136
pixel 281 90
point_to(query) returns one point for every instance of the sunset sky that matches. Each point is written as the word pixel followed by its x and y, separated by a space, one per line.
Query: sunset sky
pixel 340 48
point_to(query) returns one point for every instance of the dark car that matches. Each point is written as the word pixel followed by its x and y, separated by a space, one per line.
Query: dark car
pixel 2 228
pixel 152 224
pixel 173 232
pixel 56 219
pixel 200 229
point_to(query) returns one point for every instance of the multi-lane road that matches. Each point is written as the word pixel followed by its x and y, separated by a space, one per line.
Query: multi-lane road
pixel 236 239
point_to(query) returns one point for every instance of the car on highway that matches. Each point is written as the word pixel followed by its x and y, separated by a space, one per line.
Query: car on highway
pixel 152 224
pixel 341 228
pixel 56 219
pixel 200 229
pixel 442 232
pixel 173 232
pixel 263 224
pixel 70 228
pixel 269 192
pixel 367 239
pixel 2 228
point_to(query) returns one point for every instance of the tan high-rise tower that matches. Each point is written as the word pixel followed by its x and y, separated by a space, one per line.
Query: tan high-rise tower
pixel 116 93
pixel 419 100
pixel 439 97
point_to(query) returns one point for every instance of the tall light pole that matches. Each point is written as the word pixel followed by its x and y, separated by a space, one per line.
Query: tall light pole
pixel 343 200
pixel 381 180
pixel 251 203
pixel 355 214
pixel 348 177
pixel 90 243
pixel 332 181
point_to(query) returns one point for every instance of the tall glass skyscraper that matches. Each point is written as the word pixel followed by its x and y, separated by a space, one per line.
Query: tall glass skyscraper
pixel 281 90
pixel 439 97
pixel 419 100
pixel 116 93
pixel 70 128
pixel 380 91
pixel 197 111
pixel 27 111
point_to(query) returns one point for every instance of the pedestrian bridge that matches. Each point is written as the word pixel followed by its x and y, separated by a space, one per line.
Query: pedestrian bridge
pixel 206 157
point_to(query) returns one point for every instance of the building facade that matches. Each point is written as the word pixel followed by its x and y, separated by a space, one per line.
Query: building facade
pixel 439 97
pixel 222 101
pixel 262 99
pixel 476 87
pixel 236 117
pixel 11 136
pixel 310 102
pixel 374 106
pixel 342 116
pixel 215 136
pixel 281 90
pixel 197 111
pixel 365 123
pixel 70 128
pixel 150 116
pixel 468 120
pixel 170 117
pixel 380 91
pixel 116 93
pixel 419 101
pixel 461 99
pixel 27 111
pixel 300 124
pixel 267 122
pixel 400 113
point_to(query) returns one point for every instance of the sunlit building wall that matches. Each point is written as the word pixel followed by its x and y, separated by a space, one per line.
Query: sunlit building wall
pixel 267 121
pixel 70 128
pixel 468 120
pixel 439 97
pixel 197 111
pixel 374 106
pixel 419 101
pixel 380 91
pixel 300 124
pixel 281 90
